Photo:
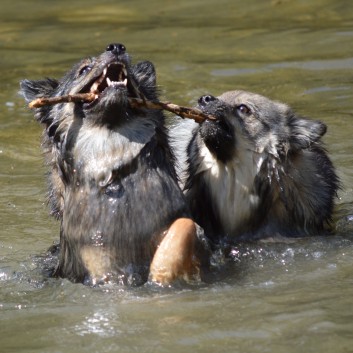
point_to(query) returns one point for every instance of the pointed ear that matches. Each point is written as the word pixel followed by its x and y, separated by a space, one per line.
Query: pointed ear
pixel 35 89
pixel 145 75
pixel 31 90
pixel 304 132
pixel 145 72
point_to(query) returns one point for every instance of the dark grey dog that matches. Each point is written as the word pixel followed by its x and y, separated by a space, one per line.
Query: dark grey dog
pixel 112 181
pixel 259 170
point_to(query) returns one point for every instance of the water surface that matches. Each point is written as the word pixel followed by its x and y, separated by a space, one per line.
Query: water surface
pixel 273 297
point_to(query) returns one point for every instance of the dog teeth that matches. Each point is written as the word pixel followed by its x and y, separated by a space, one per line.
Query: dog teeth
pixel 116 83
pixel 94 87
pixel 121 82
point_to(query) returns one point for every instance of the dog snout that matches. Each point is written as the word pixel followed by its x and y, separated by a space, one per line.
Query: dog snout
pixel 205 100
pixel 116 48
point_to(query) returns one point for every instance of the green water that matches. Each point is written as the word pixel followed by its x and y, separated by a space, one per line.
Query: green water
pixel 290 297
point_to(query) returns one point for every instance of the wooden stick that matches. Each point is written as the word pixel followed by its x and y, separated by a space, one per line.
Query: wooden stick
pixel 184 112
pixel 79 97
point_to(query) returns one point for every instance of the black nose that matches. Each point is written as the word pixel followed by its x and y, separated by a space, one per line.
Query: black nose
pixel 116 48
pixel 204 100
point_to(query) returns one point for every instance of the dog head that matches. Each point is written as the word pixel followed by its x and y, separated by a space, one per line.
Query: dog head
pixel 110 76
pixel 250 121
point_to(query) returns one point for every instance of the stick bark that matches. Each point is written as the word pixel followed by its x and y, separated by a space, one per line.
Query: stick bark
pixel 184 112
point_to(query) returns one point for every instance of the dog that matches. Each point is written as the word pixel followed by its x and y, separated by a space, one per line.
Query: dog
pixel 112 180
pixel 258 170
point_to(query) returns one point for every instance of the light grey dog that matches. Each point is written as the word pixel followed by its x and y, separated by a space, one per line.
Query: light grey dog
pixel 258 170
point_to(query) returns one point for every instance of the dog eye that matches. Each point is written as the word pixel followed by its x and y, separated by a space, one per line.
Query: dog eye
pixel 84 70
pixel 244 109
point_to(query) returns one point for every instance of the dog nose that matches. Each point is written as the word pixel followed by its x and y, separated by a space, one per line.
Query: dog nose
pixel 204 100
pixel 116 48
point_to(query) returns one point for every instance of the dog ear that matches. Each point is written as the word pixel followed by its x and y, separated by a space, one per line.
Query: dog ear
pixel 31 90
pixel 304 132
pixel 145 74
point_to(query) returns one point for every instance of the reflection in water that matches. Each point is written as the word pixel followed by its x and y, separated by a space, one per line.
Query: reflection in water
pixel 98 323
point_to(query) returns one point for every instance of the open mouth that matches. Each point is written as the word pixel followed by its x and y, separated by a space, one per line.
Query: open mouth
pixel 114 75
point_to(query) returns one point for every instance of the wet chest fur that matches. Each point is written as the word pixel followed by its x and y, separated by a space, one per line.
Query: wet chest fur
pixel 232 186
pixel 98 151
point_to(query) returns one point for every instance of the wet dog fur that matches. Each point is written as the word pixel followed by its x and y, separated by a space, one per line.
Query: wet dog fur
pixel 260 170
pixel 112 182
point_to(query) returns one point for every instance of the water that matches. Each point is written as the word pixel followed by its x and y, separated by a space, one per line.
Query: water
pixel 270 297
